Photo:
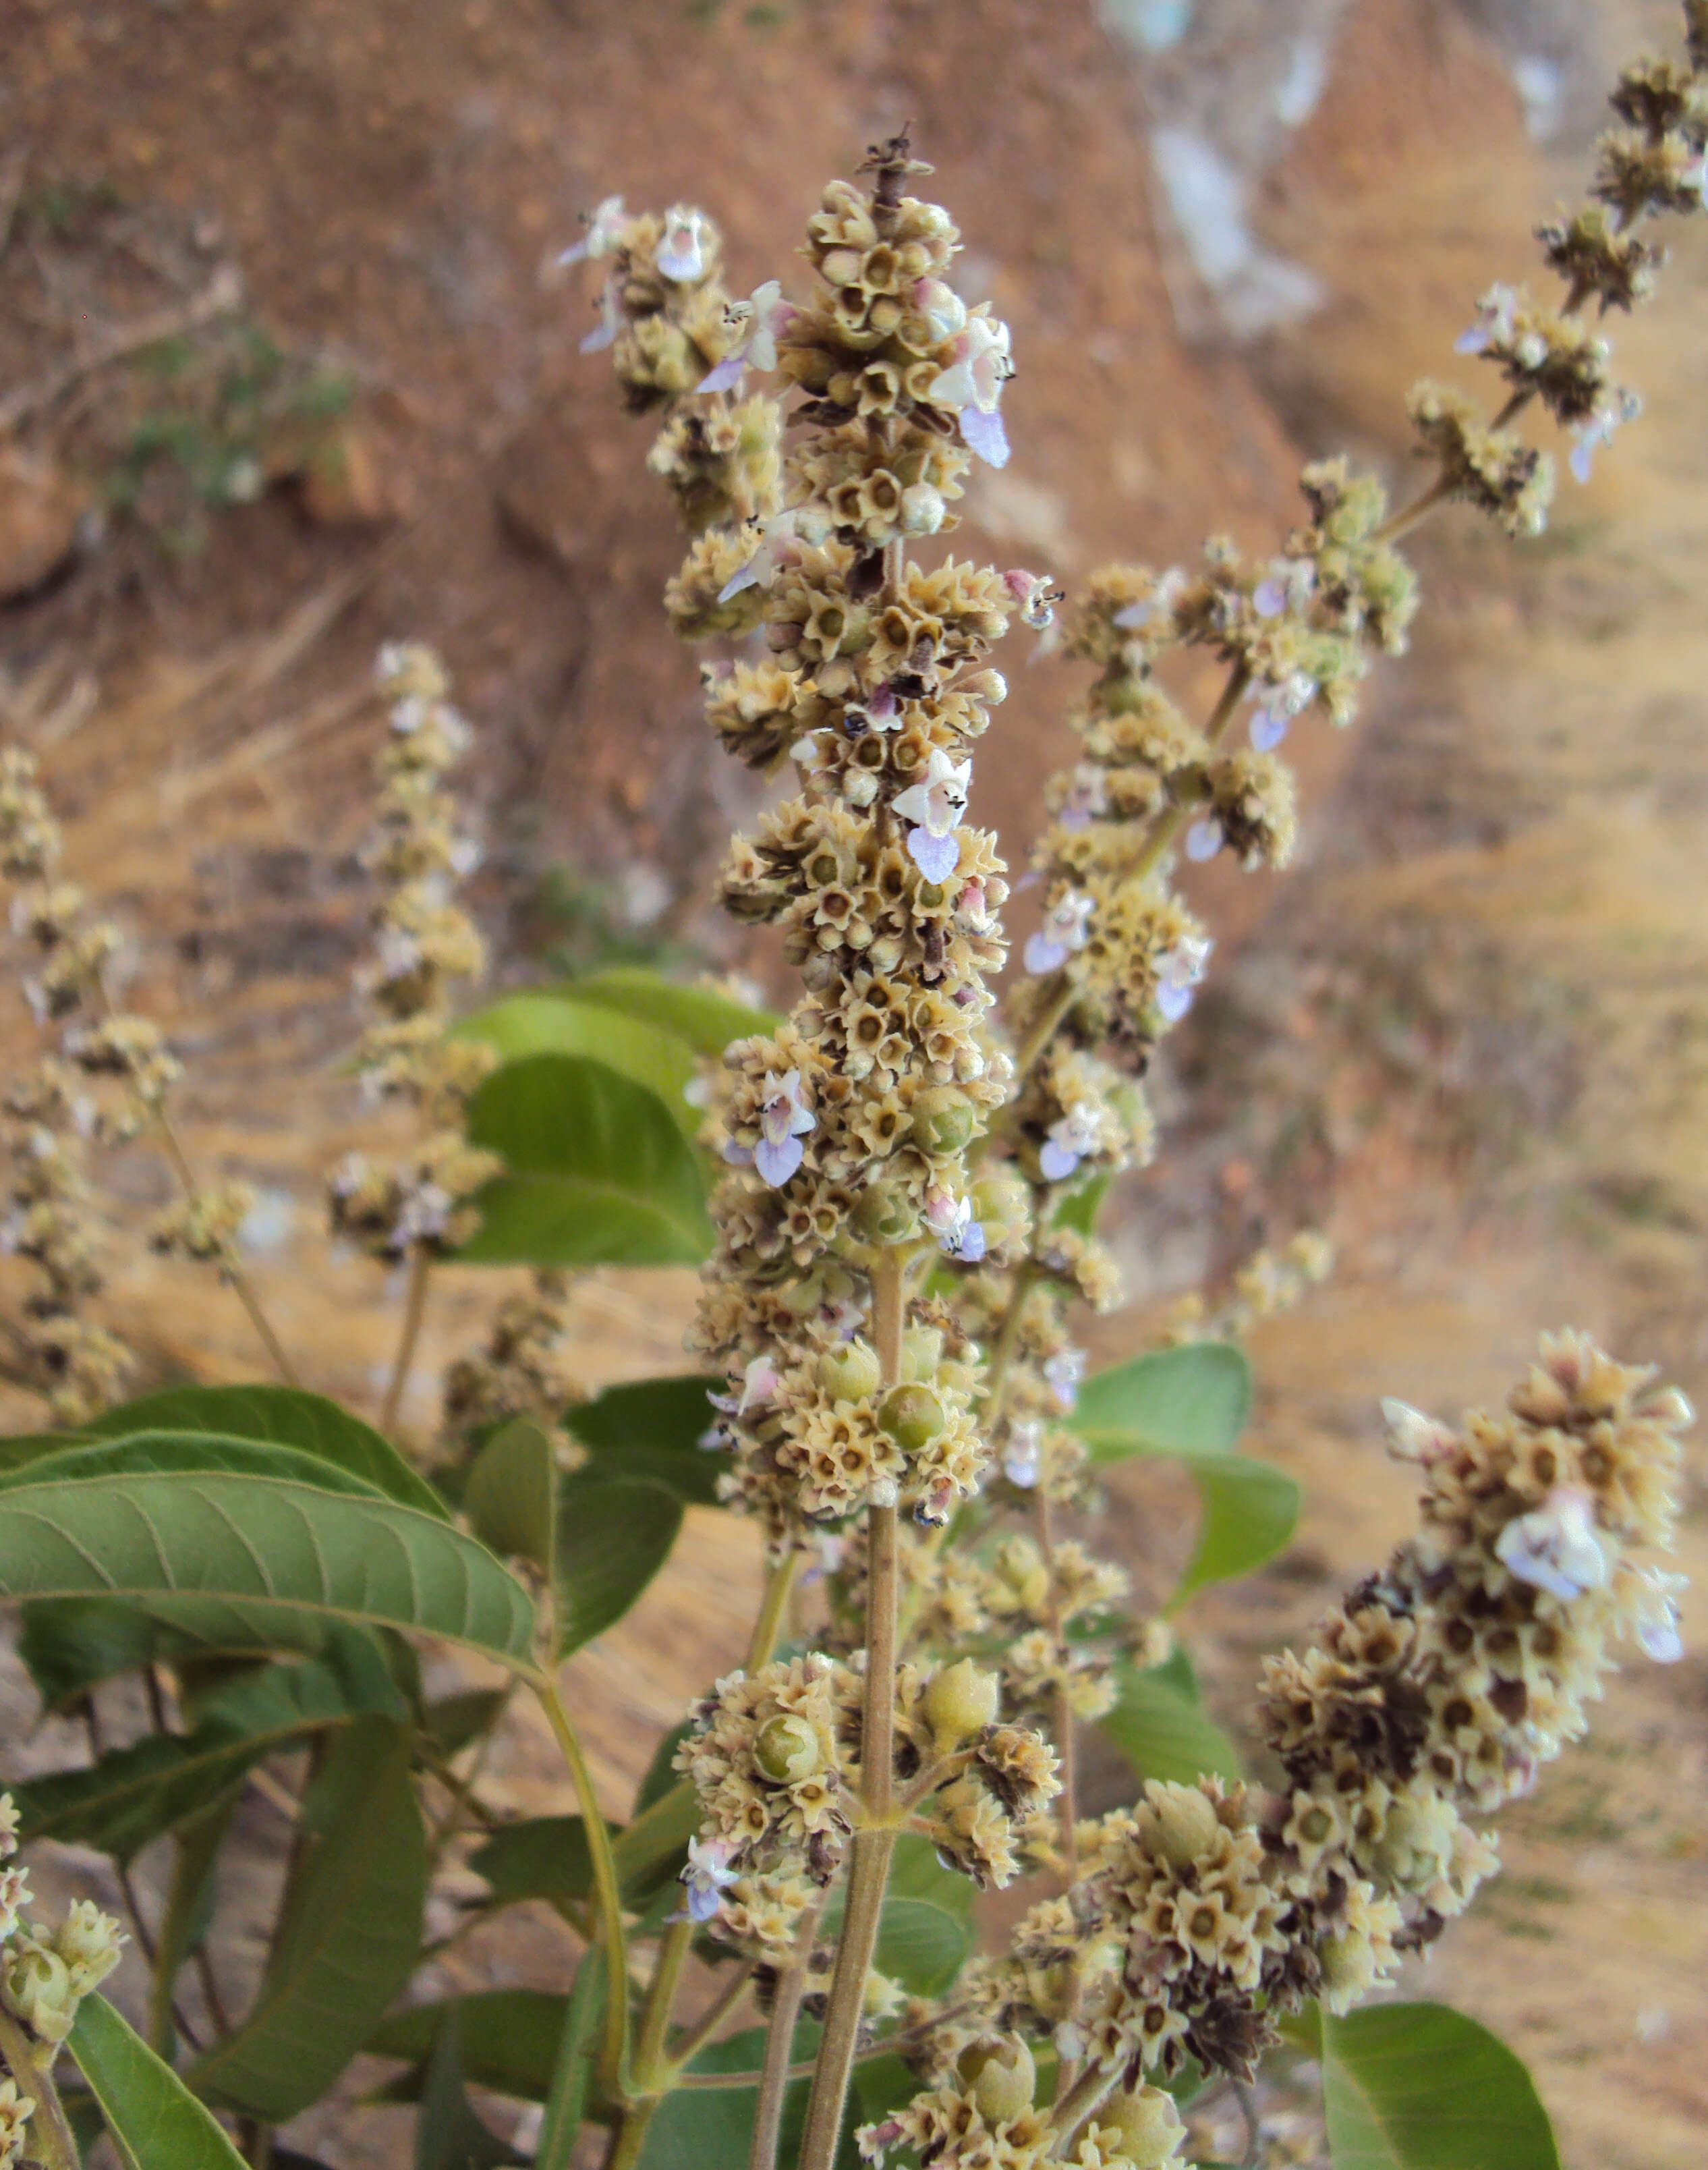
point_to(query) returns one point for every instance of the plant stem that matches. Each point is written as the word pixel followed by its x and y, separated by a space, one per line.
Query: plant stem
pixel 614 2052
pixel 779 1589
pixel 414 1309
pixel 50 2141
pixel 1027 1276
pixel 874 1842
pixel 693 2038
pixel 779 2045
pixel 1078 2103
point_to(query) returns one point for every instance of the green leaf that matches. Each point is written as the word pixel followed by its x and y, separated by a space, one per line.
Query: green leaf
pixel 452 1722
pixel 652 1846
pixel 509 2038
pixel 156 2122
pixel 1164 1734
pixel 1188 1400
pixel 1250 1511
pixel 661 1775
pixel 1420 2086
pixel 1078 1210
pixel 613 1537
pixel 132 1797
pixel 539 1857
pixel 164 1453
pixel 72 1644
pixel 545 1023
pixel 509 1499
pixel 915 1873
pixel 925 1934
pixel 351 1938
pixel 572 2075
pixel 598 1174
pixel 448 2135
pixel 712 2129
pixel 287 1417
pixel 251 1552
pixel 190 1894
pixel 652 1427
pixel 706 1018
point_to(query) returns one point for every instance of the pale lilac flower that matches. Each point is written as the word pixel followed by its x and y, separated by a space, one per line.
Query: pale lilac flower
pixel 1178 972
pixel 1135 616
pixel 681 250
pixel 1414 1437
pixel 942 308
pixel 1064 931
pixel 1493 324
pixel 1267 730
pixel 1556 1548
pixel 1657 1615
pixel 604 333
pixel 1063 1373
pixel 934 808
pixel 1068 1140
pixel 1204 839
pixel 604 226
pixel 758 1386
pixel 1087 798
pixel 1020 1459
pixel 707 1874
pixel 764 315
pixel 950 1219
pixel 971 387
pixel 784 1122
pixel 1623 407
pixel 778 542
pixel 1036 595
pixel 1288 585
pixel 972 906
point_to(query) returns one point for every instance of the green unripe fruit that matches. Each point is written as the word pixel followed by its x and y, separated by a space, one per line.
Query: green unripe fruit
pixel 1177 1823
pixel 943 1121
pixel 1000 2075
pixel 1003 1207
pixel 1148 2123
pixel 789 1750
pixel 921 1353
pixel 960 1702
pixel 850 1372
pixel 886 1215
pixel 913 1416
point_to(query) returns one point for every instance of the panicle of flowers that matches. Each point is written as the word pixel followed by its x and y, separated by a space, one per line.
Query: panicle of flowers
pixel 425 943
pixel 1270 1280
pixel 520 1368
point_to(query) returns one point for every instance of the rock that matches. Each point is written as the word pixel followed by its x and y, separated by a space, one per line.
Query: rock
pixel 41 511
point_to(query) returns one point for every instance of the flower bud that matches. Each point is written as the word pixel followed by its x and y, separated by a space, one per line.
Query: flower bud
pixel 1178 1823
pixel 886 1215
pixel 913 1416
pixel 921 1353
pixel 850 1370
pixel 1150 2125
pixel 789 1750
pixel 922 508
pixel 38 1992
pixel 943 1121
pixel 1000 2075
pixel 988 685
pixel 1003 1207
pixel 960 1702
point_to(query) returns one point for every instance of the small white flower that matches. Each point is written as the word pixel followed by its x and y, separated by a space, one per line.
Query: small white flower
pixel 1134 617
pixel 758 1386
pixel 604 333
pixel 1068 1140
pixel 1657 1615
pixel 1556 1548
pixel 1021 1458
pixel 783 1121
pixel 1267 730
pixel 934 808
pixel 1178 972
pixel 1087 798
pixel 1204 839
pixel 1620 408
pixel 1036 596
pixel 971 387
pixel 1494 323
pixel 604 226
pixel 707 1874
pixel 950 1219
pixel 777 543
pixel 764 315
pixel 681 250
pixel 1063 1373
pixel 1063 932
pixel 1412 1436
pixel 1288 585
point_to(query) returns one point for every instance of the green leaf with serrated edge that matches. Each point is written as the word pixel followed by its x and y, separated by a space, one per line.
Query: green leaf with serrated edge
pixel 598 1173
pixel 1078 1210
pixel 572 2075
pixel 284 1416
pixel 1187 1401
pixel 509 2038
pixel 613 1537
pixel 1421 2087
pixel 157 2123
pixel 164 1453
pixel 511 1496
pixel 448 2135
pixel 1164 1734
pixel 352 1939
pixel 653 1842
pixel 653 1428
pixel 706 1018
pixel 245 1550
pixel 454 1720
pixel 191 1890
pixel 133 1795
pixel 538 1858
pixel 1249 1512
pixel 548 1023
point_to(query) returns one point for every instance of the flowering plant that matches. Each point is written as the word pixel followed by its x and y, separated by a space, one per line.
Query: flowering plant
pixel 892 1191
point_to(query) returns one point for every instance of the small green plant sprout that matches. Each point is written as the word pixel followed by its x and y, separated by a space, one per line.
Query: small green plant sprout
pixel 781 1955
